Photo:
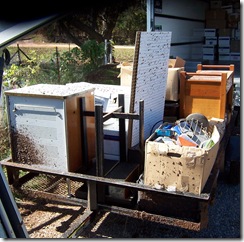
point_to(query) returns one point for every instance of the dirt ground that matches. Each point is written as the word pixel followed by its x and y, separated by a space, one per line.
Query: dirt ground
pixel 47 220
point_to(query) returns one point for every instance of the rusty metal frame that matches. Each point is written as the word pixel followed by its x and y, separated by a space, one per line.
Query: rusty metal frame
pixel 92 204
pixel 103 180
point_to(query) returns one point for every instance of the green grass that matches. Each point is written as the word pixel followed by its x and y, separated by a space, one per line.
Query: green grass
pixel 105 74
pixel 123 55
pixel 120 54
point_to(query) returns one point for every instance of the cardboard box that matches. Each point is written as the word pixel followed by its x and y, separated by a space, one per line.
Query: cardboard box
pixel 173 78
pixel 125 75
pixel 224 56
pixel 224 50
pixel 179 168
pixel 224 41
pixel 176 63
pixel 210 32
pixel 209 57
pixel 209 49
pixel 175 66
pixel 211 41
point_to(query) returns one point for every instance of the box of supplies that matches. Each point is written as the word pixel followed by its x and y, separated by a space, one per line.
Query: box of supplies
pixel 173 79
pixel 179 168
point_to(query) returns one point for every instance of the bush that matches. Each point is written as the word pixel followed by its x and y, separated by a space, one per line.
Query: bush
pixel 92 55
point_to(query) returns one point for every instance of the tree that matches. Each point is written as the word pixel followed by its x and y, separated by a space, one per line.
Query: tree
pixel 128 23
pixel 91 22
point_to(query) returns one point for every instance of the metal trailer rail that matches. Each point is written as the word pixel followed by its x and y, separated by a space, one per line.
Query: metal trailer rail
pixel 177 203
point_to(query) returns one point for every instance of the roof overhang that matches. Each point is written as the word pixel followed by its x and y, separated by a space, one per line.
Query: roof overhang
pixel 10 32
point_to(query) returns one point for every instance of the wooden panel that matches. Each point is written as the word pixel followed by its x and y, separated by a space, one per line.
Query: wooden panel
pixel 73 140
pixel 90 126
pixel 210 90
pixel 74 143
pixel 217 67
pixel 209 107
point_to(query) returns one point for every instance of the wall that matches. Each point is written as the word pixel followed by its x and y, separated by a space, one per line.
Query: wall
pixel 186 20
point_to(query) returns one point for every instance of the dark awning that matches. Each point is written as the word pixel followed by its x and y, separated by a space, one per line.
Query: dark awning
pixel 13 31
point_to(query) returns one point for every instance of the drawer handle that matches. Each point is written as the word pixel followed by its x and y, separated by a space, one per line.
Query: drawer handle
pixel 34 108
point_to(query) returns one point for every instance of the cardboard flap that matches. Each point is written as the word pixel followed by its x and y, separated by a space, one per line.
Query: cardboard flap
pixel 176 63
pixel 179 62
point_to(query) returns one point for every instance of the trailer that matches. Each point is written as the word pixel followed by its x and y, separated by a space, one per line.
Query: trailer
pixel 92 189
pixel 57 138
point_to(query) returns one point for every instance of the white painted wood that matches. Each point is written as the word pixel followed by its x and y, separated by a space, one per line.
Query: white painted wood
pixel 149 79
pixel 38 117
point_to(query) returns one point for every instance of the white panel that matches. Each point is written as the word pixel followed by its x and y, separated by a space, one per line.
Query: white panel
pixel 41 131
pixel 38 124
pixel 107 91
pixel 187 52
pixel 183 30
pixel 150 70
pixel 112 93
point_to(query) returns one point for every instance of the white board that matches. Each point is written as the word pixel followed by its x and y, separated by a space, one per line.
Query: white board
pixel 149 79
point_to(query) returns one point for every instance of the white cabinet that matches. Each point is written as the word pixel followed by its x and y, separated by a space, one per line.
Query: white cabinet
pixel 45 125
